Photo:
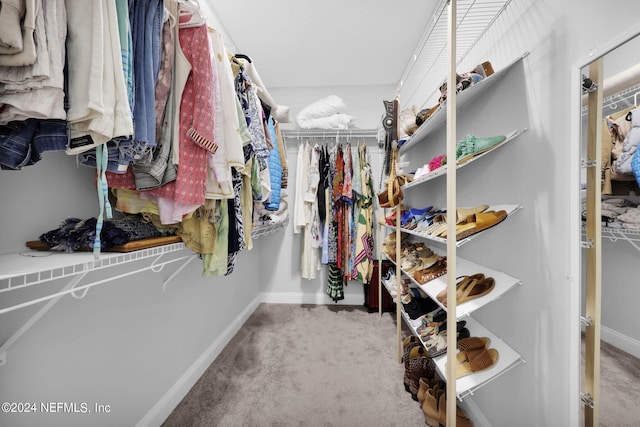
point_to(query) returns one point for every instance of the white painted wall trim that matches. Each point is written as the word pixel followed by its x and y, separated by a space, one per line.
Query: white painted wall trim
pixel 621 341
pixel 305 298
pixel 163 408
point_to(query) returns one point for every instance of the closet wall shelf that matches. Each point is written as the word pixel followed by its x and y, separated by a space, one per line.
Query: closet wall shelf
pixel 614 234
pixel 439 117
pixel 473 19
pixel 330 133
pixel 29 268
pixel 264 230
pixel 441 171
pixel 508 358
pixel 467 385
pixel 503 284
pixel 510 209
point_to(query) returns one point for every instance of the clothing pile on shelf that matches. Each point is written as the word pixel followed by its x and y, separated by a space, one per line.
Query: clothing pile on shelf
pixel 620 157
pixel 75 234
pixel 176 126
pixel 334 211
pixel 618 213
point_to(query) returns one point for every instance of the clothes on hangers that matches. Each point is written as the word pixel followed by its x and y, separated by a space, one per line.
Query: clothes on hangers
pixel 173 124
pixel 336 220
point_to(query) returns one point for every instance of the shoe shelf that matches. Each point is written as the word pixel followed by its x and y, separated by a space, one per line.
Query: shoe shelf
pixel 439 117
pixel 503 284
pixel 509 208
pixel 443 169
pixel 508 358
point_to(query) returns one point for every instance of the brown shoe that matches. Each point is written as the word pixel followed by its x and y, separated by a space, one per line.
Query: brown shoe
pixel 420 365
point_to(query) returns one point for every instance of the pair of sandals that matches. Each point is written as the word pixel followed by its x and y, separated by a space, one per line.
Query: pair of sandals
pixel 469 288
pixel 475 355
pixel 437 269
pixel 427 221
pixel 436 344
pixel 410 217
pixel 420 260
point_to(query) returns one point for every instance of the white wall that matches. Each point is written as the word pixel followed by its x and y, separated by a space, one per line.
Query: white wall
pixel 127 343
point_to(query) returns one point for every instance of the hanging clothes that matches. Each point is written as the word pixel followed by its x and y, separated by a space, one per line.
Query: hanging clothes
pixel 364 243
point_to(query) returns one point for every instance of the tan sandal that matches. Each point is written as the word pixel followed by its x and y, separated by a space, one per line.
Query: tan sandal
pixel 460 287
pixel 477 290
pixel 469 345
pixel 482 360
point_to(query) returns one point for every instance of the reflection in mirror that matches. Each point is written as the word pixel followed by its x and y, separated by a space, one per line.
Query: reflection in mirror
pixel 615 358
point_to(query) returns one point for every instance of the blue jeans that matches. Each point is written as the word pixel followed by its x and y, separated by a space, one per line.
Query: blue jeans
pixel 146 34
pixel 22 141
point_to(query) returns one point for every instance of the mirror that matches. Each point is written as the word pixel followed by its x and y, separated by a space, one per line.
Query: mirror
pixel 609 132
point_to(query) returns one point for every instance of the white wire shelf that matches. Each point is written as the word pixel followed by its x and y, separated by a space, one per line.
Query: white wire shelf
pixel 264 230
pixel 328 134
pixel 32 267
pixel 508 358
pixel 443 169
pixel 467 385
pixel 510 209
pixel 439 117
pixel 503 284
pixel 429 63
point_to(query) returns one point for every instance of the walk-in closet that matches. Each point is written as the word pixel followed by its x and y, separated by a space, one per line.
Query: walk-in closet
pixel 222 213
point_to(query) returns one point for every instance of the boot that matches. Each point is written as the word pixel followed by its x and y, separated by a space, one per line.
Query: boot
pixel 461 418
pixel 407 345
pixel 426 384
pixel 430 407
pixel 420 365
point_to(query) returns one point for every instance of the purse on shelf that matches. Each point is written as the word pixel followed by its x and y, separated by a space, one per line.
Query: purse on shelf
pixel 392 195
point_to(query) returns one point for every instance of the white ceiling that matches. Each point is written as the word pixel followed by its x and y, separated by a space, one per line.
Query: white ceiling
pixel 296 43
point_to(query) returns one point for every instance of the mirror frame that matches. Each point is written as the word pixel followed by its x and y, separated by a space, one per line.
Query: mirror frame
pixel 574 212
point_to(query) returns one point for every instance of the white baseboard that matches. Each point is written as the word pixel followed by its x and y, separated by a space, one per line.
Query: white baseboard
pixel 623 342
pixel 306 298
pixel 163 408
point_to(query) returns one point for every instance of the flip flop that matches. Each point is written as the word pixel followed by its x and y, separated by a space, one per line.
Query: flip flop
pixel 460 286
pixel 481 361
pixel 477 290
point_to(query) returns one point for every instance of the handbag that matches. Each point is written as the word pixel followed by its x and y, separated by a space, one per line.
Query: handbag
pixel 392 194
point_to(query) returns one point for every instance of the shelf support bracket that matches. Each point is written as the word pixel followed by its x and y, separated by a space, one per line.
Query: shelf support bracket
pixel 589 163
pixel 178 270
pixel 586 321
pixel 48 306
pixel 587 400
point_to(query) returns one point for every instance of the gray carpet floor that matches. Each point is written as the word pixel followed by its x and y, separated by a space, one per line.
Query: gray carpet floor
pixel 335 365
pixel 304 365
pixel 619 387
